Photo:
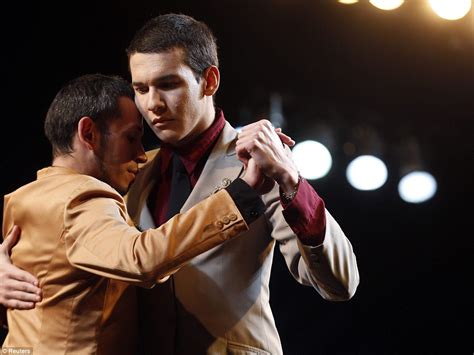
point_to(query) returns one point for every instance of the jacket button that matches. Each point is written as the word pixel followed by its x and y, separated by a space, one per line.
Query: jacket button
pixel 225 219
pixel 219 224
pixel 233 217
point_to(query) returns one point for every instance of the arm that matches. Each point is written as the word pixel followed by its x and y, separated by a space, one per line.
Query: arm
pixel 314 246
pixel 18 288
pixel 99 240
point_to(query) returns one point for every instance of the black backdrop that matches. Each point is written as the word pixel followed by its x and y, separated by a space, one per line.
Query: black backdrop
pixel 404 73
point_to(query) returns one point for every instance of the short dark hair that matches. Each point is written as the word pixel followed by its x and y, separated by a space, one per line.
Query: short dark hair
pixel 92 95
pixel 166 32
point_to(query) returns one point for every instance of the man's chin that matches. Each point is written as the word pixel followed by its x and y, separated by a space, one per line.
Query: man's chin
pixel 169 137
pixel 122 190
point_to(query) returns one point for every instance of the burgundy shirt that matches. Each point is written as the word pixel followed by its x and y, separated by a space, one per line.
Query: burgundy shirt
pixel 304 214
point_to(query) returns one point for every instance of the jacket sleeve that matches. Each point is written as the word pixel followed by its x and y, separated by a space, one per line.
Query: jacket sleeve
pixel 331 267
pixel 99 239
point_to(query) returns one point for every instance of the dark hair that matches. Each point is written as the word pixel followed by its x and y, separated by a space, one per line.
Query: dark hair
pixel 92 95
pixel 166 32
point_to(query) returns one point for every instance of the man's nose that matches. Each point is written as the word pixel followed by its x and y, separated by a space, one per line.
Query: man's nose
pixel 141 156
pixel 155 102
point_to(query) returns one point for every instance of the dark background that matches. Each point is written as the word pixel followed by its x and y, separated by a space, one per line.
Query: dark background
pixel 406 74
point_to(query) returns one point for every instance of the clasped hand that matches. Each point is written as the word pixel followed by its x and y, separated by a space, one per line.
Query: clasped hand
pixel 261 146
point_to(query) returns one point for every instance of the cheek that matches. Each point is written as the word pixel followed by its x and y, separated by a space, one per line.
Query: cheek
pixel 140 102
pixel 129 153
pixel 121 155
pixel 174 102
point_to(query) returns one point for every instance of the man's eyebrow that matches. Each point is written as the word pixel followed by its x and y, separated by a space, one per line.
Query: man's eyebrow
pixel 158 80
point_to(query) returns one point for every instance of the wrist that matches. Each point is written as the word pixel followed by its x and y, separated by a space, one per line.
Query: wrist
pixel 289 194
pixel 289 181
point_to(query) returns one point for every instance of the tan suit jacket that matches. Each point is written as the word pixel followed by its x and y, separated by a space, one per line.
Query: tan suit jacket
pixel 77 240
pixel 219 303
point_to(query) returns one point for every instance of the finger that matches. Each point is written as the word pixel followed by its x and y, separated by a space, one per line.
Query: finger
pixel 261 124
pixel 24 276
pixel 19 295
pixel 286 139
pixel 16 304
pixel 11 239
pixel 242 153
pixel 261 131
pixel 250 141
pixel 247 128
pixel 24 288
pixel 244 149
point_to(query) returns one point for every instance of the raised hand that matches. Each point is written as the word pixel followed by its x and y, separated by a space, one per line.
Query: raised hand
pixel 263 143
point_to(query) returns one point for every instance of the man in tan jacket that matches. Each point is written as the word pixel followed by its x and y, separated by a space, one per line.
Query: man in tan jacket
pixel 77 238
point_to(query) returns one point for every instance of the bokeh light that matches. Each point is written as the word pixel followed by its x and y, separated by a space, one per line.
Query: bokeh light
pixel 451 9
pixel 366 172
pixel 387 4
pixel 417 187
pixel 312 159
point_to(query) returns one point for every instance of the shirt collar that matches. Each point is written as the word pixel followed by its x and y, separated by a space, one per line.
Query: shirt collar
pixel 54 170
pixel 192 152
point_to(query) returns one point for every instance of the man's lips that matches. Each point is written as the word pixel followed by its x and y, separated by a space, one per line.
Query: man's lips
pixel 160 121
pixel 134 172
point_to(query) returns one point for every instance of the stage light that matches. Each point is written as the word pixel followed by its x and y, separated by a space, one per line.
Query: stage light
pixel 387 4
pixel 363 145
pixel 417 187
pixel 348 2
pixel 312 159
pixel 416 184
pixel 366 172
pixel 451 9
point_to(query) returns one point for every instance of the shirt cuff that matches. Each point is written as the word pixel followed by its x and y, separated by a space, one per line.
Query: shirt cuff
pixel 305 215
pixel 248 202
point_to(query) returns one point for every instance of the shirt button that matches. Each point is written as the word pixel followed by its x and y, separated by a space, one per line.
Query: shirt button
pixel 233 217
pixel 226 182
pixel 225 219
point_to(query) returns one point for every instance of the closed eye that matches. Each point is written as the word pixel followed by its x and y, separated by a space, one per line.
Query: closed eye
pixel 169 85
pixel 141 90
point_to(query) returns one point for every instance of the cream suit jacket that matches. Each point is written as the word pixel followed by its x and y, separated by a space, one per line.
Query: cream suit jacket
pixel 222 296
pixel 76 239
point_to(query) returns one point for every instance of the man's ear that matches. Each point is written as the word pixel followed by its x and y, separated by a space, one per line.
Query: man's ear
pixel 211 80
pixel 88 133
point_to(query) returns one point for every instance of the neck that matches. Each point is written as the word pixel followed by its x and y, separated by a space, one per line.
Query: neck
pixel 74 162
pixel 210 115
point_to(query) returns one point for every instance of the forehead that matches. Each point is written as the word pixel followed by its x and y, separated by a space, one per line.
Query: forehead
pixel 145 67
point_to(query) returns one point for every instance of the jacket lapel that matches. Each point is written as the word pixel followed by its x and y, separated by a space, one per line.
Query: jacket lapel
pixel 221 168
